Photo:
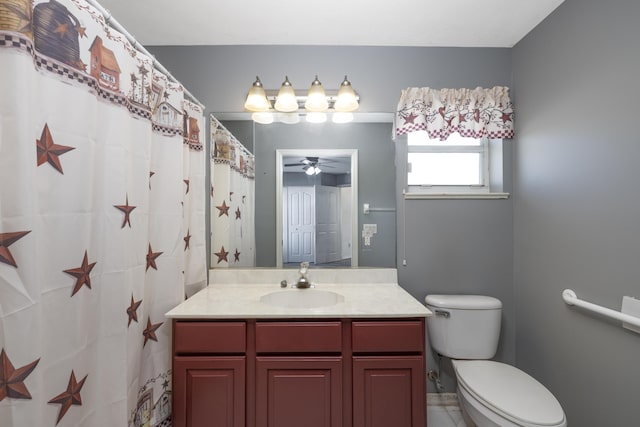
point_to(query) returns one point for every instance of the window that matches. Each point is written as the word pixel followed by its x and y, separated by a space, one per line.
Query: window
pixel 457 167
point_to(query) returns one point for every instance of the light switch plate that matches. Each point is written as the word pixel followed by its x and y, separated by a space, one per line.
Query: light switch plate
pixel 631 306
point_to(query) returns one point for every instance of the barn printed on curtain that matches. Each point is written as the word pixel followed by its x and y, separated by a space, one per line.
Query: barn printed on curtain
pixel 102 226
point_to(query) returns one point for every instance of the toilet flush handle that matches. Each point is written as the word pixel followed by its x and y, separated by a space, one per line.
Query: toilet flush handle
pixel 443 313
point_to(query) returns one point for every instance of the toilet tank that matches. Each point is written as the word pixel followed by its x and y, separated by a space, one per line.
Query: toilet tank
pixel 464 326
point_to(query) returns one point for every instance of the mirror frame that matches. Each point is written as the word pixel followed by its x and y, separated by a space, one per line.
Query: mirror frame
pixel 353 153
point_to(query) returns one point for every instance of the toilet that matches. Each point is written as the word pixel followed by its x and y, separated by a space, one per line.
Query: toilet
pixel 466 329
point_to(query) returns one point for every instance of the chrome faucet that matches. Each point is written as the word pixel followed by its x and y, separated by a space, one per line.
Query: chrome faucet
pixel 303 282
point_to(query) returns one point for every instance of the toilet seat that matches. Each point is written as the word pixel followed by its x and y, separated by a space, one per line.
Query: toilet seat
pixel 509 392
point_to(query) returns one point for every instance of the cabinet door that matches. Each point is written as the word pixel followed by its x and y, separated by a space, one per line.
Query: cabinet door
pixel 389 391
pixel 209 391
pixel 299 391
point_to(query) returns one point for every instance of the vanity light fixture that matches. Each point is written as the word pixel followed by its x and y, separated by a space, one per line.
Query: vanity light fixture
pixel 287 102
pixel 346 101
pixel 317 98
pixel 257 98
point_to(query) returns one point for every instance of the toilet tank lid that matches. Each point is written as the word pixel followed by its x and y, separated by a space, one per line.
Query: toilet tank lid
pixel 466 302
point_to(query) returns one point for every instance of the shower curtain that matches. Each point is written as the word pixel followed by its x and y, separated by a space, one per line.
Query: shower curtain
pixel 232 201
pixel 102 220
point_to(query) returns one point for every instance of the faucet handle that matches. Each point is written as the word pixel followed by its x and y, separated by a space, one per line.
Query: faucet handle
pixel 304 266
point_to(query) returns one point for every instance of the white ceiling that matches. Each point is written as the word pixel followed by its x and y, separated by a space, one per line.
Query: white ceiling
pixel 473 23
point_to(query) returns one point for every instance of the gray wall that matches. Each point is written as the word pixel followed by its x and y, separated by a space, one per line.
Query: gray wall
pixel 577 206
pixel 451 246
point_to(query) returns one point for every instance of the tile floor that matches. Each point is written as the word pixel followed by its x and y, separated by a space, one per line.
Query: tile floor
pixel 443 410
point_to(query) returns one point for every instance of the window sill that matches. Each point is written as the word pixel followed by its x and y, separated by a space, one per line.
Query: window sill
pixel 419 196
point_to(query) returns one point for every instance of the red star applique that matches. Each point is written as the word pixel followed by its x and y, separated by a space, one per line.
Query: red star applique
pixel 410 119
pixel 6 240
pixel 187 239
pixel 222 255
pixel 236 256
pixel 223 209
pixel 151 258
pixel 132 310
pixel 71 396
pixel 186 181
pixel 143 70
pixel 12 380
pixel 126 208
pixel 61 29
pixel 238 213
pixel 81 31
pixel 150 331
pixel 506 117
pixel 82 274
pixel 48 151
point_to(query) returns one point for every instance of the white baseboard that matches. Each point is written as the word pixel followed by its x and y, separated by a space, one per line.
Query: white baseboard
pixel 442 399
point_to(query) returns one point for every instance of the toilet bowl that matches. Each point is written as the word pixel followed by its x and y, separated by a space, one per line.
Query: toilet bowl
pixel 495 394
pixel 465 328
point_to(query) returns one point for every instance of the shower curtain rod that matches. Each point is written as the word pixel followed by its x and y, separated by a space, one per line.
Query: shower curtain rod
pixel 111 21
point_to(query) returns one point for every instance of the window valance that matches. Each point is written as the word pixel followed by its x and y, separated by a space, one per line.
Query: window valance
pixel 473 113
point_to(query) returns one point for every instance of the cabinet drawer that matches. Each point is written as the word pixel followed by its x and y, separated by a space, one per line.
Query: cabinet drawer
pixel 209 337
pixel 298 337
pixel 388 337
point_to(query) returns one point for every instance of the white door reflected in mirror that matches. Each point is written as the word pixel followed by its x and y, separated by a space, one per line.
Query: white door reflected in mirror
pixel 317 223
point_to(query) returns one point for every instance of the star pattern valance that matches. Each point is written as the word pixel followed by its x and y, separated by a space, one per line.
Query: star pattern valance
pixel 473 113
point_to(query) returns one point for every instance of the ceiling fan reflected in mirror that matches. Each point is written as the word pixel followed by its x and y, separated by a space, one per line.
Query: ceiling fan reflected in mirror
pixel 311 165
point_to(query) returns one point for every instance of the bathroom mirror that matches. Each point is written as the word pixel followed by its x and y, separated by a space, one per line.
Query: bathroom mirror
pixel 316 214
pixel 369 136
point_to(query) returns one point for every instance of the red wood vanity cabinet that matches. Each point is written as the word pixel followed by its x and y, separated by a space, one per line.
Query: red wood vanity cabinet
pixel 308 372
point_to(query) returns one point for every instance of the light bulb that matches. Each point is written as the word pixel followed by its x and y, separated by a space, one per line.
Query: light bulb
pixel 316 98
pixel 346 100
pixel 257 98
pixel 286 100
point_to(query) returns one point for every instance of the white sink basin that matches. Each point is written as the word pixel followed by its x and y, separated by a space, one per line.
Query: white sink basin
pixel 302 298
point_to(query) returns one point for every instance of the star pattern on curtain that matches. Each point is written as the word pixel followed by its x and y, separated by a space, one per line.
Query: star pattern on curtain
pixel 126 209
pixel 6 240
pixel 71 396
pixel 150 331
pixel 187 239
pixel 71 215
pixel 151 258
pixel 82 274
pixel 236 256
pixel 222 255
pixel 223 209
pixel 12 380
pixel 238 213
pixel 132 310
pixel 48 151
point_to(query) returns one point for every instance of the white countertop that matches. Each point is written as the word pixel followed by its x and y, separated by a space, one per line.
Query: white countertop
pixel 242 301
